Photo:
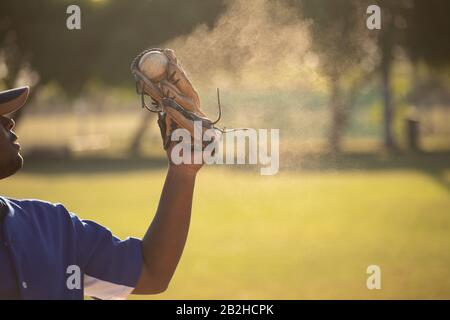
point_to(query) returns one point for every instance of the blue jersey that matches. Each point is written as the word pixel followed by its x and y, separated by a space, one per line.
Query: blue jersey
pixel 52 254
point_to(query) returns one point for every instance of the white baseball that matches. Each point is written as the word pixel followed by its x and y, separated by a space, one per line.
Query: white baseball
pixel 153 64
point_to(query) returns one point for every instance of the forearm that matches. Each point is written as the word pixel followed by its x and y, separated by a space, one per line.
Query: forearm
pixel 164 241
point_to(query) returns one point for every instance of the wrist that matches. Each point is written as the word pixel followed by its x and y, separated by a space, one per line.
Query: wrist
pixel 183 170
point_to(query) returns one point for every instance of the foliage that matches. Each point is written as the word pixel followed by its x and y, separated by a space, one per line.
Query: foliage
pixel 34 33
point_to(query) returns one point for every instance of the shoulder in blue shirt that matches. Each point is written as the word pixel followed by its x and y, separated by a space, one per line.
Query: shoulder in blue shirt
pixel 59 256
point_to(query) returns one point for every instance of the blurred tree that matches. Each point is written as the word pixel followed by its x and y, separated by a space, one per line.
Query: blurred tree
pixel 338 32
pixel 33 35
pixel 421 29
pixel 386 42
pixel 339 38
pixel 391 36
pixel 112 33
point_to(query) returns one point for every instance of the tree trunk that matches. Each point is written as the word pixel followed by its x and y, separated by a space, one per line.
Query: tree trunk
pixel 389 143
pixel 135 146
pixel 386 66
pixel 337 117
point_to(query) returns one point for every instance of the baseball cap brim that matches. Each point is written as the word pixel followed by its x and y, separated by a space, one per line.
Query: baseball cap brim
pixel 11 100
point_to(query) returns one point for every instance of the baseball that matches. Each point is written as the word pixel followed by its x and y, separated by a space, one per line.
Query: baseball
pixel 153 64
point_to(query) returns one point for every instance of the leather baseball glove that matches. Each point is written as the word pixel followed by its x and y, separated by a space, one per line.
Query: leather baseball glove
pixel 160 76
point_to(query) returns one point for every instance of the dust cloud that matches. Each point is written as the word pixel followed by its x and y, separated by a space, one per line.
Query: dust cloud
pixel 259 53
pixel 254 45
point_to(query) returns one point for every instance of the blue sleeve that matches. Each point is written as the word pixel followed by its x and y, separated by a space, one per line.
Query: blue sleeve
pixel 111 266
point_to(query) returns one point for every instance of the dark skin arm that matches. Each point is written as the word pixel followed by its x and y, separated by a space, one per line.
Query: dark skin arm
pixel 164 240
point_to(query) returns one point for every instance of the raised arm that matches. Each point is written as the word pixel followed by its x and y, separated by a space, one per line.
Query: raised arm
pixel 164 241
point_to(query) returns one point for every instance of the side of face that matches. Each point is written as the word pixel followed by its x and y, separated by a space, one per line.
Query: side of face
pixel 10 159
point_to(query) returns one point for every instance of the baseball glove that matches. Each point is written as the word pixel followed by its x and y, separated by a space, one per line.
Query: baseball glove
pixel 159 75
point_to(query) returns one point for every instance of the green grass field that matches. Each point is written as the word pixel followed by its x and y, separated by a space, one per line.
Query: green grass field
pixel 296 235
